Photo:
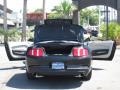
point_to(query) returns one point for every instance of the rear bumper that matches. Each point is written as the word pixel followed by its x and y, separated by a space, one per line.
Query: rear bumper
pixel 72 65
pixel 68 71
pixel 68 60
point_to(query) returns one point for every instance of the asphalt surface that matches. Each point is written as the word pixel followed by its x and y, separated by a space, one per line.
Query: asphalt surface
pixel 106 76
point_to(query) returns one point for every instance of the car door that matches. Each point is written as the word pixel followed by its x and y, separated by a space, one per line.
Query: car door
pixel 102 50
pixel 16 50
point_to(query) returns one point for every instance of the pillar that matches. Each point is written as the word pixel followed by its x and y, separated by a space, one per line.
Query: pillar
pixel 76 13
pixel 24 21
pixel 118 11
pixel 76 17
pixel 5 20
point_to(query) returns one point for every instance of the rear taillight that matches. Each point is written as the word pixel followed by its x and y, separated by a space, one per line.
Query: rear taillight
pixel 36 52
pixel 79 52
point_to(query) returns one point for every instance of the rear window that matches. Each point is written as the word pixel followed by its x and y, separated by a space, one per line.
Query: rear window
pixel 58 33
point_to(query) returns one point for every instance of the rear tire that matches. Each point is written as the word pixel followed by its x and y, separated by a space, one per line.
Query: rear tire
pixel 30 76
pixel 88 77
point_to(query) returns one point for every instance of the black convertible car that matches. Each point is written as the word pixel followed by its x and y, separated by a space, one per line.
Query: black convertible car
pixel 58 49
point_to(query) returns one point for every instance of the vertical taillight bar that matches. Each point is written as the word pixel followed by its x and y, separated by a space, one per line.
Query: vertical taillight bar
pixel 36 52
pixel 79 52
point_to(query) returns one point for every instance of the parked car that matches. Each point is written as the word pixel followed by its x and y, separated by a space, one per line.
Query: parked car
pixel 59 49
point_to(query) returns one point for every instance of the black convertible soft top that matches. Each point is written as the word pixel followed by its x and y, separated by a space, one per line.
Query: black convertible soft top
pixel 58 30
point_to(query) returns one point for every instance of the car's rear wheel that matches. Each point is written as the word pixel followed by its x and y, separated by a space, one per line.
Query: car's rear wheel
pixel 30 76
pixel 88 77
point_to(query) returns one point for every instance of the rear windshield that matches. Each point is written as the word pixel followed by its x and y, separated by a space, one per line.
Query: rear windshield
pixel 58 33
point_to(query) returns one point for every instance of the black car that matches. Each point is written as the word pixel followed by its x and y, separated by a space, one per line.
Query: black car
pixel 58 49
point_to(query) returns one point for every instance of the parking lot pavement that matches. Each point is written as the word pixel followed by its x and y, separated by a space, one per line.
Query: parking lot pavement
pixel 106 76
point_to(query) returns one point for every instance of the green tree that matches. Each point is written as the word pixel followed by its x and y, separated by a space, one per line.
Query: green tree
pixel 13 34
pixel 54 15
pixel 89 16
pixel 114 31
pixel 63 10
